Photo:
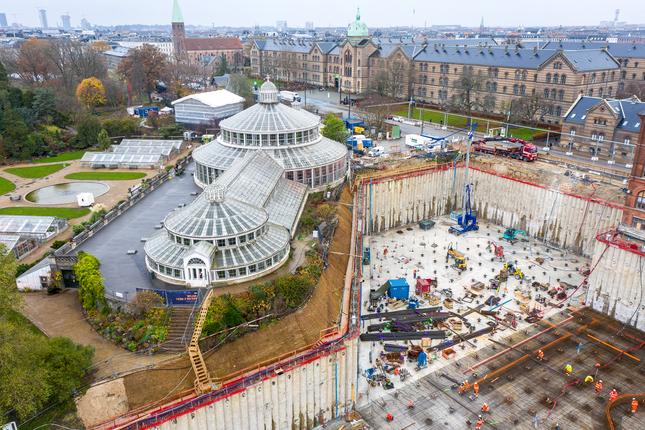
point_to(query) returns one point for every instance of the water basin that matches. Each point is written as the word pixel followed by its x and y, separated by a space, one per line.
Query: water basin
pixel 65 193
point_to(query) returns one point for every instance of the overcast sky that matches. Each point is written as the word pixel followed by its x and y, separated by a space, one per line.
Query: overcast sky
pixel 375 13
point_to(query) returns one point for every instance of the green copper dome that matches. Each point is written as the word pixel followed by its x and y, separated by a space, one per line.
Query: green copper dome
pixel 357 28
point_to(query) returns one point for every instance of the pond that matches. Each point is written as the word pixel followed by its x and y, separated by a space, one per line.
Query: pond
pixel 65 193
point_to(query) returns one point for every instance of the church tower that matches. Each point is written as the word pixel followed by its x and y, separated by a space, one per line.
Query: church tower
pixel 178 33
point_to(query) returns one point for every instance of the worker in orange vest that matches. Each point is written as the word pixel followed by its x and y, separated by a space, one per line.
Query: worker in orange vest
pixel 464 387
pixel 598 386
pixel 613 395
pixel 480 423
pixel 634 405
pixel 389 417
pixel 485 408
pixel 540 355
pixel 476 389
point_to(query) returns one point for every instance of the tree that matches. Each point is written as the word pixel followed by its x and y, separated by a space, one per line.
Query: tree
pixel 143 68
pixel 527 108
pixel 100 46
pixel 4 79
pixel 326 212
pixel 67 365
pixel 91 290
pixel 467 85
pixel 241 86
pixel 144 302
pixel 44 105
pixel 9 297
pixel 222 66
pixel 103 140
pixel 91 93
pixel 33 64
pixel 87 132
pixel 334 128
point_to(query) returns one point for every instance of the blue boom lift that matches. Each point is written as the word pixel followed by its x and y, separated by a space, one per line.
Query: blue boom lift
pixel 467 219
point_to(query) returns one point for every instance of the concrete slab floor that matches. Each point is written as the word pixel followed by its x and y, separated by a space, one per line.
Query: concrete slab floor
pixel 518 395
pixel 410 248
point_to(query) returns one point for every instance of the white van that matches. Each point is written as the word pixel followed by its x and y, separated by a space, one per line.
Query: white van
pixel 377 151
pixel 289 96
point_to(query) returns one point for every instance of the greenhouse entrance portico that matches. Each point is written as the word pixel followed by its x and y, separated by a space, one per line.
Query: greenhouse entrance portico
pixel 238 229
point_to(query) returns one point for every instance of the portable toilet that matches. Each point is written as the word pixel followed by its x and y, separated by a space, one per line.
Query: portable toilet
pixel 422 287
pixel 422 360
pixel 398 289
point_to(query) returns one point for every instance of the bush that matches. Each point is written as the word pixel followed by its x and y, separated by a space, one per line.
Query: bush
pixel 123 126
pixel 144 302
pixel 58 243
pixel 91 289
pixel 23 267
pixel 78 229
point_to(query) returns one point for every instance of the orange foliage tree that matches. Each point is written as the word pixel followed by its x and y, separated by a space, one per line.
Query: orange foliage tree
pixel 91 93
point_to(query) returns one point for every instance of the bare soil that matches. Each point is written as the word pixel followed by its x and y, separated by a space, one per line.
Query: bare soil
pixel 296 330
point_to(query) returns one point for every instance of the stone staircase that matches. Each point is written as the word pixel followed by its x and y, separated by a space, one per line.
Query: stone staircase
pixel 180 330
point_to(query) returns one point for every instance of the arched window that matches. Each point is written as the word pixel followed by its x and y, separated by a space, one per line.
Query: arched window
pixel 196 261
pixel 561 95
pixel 553 93
pixel 563 79
pixel 348 57
pixel 640 200
pixel 548 77
pixel 556 77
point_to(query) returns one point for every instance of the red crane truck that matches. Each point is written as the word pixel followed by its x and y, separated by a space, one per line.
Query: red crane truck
pixel 511 147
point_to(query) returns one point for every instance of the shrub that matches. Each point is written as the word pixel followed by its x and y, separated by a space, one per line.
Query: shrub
pixel 91 289
pixel 78 229
pixel 58 243
pixel 144 302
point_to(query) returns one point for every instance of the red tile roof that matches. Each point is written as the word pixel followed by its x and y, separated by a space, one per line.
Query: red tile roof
pixel 213 44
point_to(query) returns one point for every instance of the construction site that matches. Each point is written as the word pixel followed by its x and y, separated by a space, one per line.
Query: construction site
pixel 480 293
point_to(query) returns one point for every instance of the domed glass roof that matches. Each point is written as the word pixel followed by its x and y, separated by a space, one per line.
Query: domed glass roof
pixel 357 28
pixel 268 93
pixel 211 216
pixel 270 117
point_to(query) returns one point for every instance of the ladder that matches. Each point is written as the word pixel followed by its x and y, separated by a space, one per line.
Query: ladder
pixel 203 381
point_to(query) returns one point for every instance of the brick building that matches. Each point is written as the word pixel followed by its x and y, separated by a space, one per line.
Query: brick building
pixel 202 50
pixel 634 215
pixel 603 127
pixel 431 70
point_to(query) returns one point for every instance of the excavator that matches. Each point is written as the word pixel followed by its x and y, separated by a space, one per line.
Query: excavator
pixel 512 270
pixel 511 235
pixel 460 259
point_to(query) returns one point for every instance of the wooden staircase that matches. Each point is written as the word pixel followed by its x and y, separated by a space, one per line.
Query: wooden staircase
pixel 180 330
pixel 203 381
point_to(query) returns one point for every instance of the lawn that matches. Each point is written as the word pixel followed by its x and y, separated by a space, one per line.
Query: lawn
pixel 459 121
pixel 106 176
pixel 34 172
pixel 6 186
pixel 68 213
pixel 65 156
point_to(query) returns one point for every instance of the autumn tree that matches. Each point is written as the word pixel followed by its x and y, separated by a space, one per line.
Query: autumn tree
pixel 32 62
pixel 91 93
pixel 143 68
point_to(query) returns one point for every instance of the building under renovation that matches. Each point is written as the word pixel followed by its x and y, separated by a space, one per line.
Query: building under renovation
pixel 291 136
pixel 238 229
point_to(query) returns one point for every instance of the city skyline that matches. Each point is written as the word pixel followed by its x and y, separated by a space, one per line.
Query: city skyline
pixel 334 13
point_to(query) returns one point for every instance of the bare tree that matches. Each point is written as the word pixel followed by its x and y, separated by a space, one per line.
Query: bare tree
pixel 391 80
pixel 529 108
pixel 467 85
pixel 633 89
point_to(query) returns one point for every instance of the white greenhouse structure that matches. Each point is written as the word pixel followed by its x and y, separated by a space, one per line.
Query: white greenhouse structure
pixel 206 109
pixel 289 135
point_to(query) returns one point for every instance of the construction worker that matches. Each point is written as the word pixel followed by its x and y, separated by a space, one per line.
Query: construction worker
pixel 389 417
pixel 410 404
pixel 598 386
pixel 485 408
pixel 568 369
pixel 613 395
pixel 588 379
pixel 476 389
pixel 634 405
pixel 540 355
pixel 480 423
pixel 464 387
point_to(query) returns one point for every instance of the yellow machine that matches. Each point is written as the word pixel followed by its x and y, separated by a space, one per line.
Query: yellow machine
pixel 511 270
pixel 460 259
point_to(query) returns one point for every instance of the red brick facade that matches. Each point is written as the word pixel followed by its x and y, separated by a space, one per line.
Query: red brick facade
pixel 635 201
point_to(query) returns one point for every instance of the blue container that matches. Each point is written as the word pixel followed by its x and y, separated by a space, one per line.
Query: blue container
pixel 422 360
pixel 398 289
